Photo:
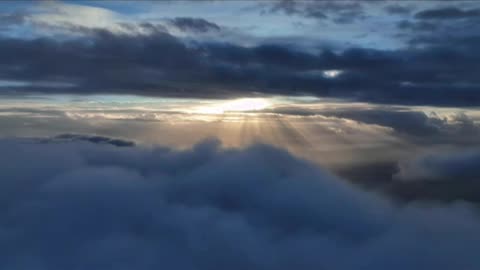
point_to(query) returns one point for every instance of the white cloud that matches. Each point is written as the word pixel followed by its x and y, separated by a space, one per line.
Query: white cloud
pixel 60 15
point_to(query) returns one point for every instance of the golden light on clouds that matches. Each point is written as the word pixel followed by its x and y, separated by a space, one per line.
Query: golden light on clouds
pixel 237 105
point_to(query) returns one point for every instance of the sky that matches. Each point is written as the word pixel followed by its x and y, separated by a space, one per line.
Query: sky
pixel 239 134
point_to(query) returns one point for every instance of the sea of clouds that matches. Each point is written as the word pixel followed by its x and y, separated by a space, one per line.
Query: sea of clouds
pixel 73 202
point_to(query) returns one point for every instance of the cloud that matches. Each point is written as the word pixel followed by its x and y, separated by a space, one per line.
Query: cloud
pixel 194 25
pixel 12 19
pixel 456 127
pixel 97 206
pixel 340 12
pixel 60 19
pixel 451 166
pixel 93 139
pixel 398 9
pixel 415 126
pixel 404 122
pixel 447 13
pixel 116 55
pixel 439 175
pixel 115 63
pixel 56 15
pixel 417 25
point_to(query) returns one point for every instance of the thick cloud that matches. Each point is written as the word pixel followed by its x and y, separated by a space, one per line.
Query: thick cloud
pixel 94 139
pixel 162 65
pixel 11 19
pixel 417 124
pixel 414 126
pixel 97 206
pixel 341 12
pixel 437 176
pixel 447 13
pixel 443 27
pixel 417 26
pixel 194 24
pixel 456 166
pixel 433 61
pixel 398 9
pixel 404 122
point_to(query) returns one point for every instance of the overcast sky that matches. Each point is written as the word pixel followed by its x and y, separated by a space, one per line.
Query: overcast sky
pixel 393 52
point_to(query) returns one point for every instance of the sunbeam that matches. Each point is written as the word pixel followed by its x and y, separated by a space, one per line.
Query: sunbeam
pixel 236 105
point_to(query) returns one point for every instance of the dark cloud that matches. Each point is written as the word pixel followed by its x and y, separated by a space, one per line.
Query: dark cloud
pixel 398 9
pixel 417 25
pixel 12 19
pixel 437 176
pixel 447 27
pixel 452 166
pixel 415 126
pixel 447 13
pixel 445 176
pixel 434 191
pixel 341 12
pixel 147 60
pixel 404 122
pixel 114 63
pixel 93 139
pixel 418 126
pixel 108 62
pixel 98 206
pixel 387 177
pixel 291 7
pixel 194 25
pixel 153 27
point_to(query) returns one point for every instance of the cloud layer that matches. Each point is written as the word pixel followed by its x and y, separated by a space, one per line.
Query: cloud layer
pixel 195 57
pixel 456 166
pixel 78 204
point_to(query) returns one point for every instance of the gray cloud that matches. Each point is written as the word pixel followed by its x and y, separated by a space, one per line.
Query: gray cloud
pixel 94 139
pixel 415 126
pixel 404 122
pixel 417 25
pixel 398 9
pixel 437 68
pixel 418 124
pixel 451 166
pixel 12 19
pixel 114 63
pixel 447 13
pixel 440 175
pixel 338 11
pixel 97 206
pixel 194 24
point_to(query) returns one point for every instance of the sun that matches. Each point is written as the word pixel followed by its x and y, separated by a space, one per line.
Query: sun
pixel 246 104
pixel 236 105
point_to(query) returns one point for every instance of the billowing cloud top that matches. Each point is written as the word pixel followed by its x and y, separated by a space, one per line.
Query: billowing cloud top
pixel 83 204
pixel 422 53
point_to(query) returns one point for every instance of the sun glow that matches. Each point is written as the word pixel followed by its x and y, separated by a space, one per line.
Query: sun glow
pixel 332 73
pixel 237 105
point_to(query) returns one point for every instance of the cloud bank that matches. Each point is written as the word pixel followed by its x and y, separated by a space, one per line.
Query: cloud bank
pixel 78 204
pixel 455 166
pixel 435 62
pixel 160 64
